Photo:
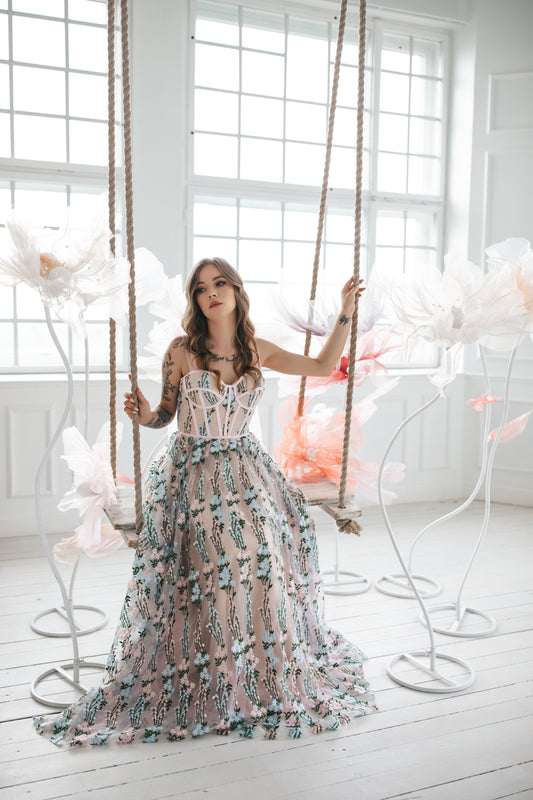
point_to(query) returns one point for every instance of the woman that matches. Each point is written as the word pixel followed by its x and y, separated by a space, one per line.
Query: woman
pixel 222 627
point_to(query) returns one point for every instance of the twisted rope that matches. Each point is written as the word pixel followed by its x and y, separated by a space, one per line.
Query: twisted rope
pixel 130 250
pixel 324 191
pixel 357 248
pixel 112 223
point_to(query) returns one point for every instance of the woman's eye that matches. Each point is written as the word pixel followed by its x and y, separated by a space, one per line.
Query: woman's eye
pixel 221 283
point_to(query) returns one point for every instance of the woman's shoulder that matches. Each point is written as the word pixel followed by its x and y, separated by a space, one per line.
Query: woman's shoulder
pixel 179 343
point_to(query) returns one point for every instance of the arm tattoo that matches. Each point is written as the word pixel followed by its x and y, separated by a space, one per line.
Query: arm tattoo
pixel 344 320
pixel 160 417
pixel 169 390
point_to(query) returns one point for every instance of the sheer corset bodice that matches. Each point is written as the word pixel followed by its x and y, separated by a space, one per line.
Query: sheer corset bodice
pixel 209 413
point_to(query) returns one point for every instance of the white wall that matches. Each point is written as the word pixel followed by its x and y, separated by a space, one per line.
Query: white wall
pixel 489 198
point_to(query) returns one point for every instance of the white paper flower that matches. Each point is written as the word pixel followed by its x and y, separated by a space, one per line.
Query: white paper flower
pixel 93 489
pixel 69 269
pixel 170 307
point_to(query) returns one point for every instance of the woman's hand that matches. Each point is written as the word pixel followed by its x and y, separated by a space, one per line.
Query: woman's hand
pixel 142 408
pixel 348 295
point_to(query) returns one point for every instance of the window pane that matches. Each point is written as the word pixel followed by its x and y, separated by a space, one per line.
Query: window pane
pixel 417 259
pixel 215 218
pixel 42 208
pixel 87 96
pixel 210 247
pixel 216 111
pixel 390 228
pixel 29 305
pixel 87 48
pixel 52 8
pixel 6 301
pixel 215 155
pixel 87 11
pixel 40 138
pixel 394 92
pixel 427 58
pixel 262 117
pixel 424 136
pixel 392 173
pixel 263 31
pixel 304 163
pixel 6 344
pixel 342 169
pixel 300 224
pixel 4 87
pixel 88 143
pixel 36 345
pixel 84 205
pixel 261 160
pixel 38 90
pixel 306 122
pixel 259 260
pixel 340 227
pixel 263 74
pixel 217 23
pixel 424 175
pixel 39 41
pixel 217 67
pixel 5 206
pixel 421 229
pixel 4 37
pixel 395 54
pixel 339 263
pixel 307 62
pixel 98 338
pixel 5 136
pixel 346 127
pixel 298 260
pixel 426 97
pixel 393 133
pixel 391 259
pixel 257 222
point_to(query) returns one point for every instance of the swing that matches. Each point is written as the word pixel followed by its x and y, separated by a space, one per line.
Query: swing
pixel 324 492
pixel 126 514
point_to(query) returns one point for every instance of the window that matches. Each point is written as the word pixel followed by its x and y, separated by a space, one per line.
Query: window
pixel 53 153
pixel 262 81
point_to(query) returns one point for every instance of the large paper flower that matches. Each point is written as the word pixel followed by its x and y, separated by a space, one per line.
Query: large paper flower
pixel 170 308
pixel 312 445
pixel 69 269
pixel 93 489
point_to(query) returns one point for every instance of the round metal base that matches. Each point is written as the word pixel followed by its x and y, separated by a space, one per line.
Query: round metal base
pixel 433 680
pixel 358 582
pixel 61 613
pixel 61 673
pixel 454 628
pixel 397 585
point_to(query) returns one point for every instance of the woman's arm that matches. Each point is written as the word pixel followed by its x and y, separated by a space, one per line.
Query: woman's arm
pixel 281 360
pixel 164 413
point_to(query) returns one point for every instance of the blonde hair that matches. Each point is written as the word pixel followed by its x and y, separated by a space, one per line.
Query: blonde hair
pixel 195 325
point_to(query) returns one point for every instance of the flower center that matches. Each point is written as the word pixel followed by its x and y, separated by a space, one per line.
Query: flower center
pixel 48 263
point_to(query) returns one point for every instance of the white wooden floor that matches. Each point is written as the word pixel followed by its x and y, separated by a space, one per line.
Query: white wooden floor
pixel 475 745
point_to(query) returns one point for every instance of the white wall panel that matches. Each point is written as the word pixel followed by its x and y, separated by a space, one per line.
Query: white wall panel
pixel 510 106
pixel 28 433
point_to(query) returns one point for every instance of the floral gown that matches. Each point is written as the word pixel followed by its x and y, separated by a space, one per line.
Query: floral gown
pixel 222 628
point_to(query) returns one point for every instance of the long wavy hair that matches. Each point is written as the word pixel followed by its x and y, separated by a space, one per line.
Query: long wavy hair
pixel 194 324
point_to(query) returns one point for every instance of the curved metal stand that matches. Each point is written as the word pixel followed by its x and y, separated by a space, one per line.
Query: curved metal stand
pixel 461 612
pixel 434 586
pixel 61 672
pixel 430 669
pixel 67 604
pixel 358 582
pixel 101 616
pixel 387 584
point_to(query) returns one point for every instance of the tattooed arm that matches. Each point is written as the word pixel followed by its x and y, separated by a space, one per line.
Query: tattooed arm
pixel 164 413
pixel 281 360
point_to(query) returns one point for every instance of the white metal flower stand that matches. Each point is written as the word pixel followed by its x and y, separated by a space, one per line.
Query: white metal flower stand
pixel 70 672
pixel 57 611
pixel 460 623
pixel 396 584
pixel 428 666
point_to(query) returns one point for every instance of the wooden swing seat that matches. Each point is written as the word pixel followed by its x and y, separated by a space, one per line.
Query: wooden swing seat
pixel 325 493
pixel 121 515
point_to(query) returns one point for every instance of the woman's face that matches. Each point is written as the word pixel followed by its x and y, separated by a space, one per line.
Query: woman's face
pixel 215 295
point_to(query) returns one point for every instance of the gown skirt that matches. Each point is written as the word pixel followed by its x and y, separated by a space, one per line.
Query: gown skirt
pixel 222 627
